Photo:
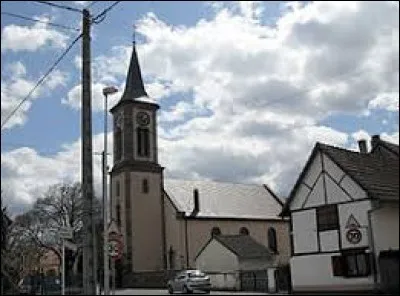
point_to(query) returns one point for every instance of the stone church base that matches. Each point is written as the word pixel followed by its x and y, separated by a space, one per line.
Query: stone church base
pixel 151 279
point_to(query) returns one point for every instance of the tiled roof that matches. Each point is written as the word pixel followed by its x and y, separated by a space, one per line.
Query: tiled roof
pixel 244 246
pixel 378 175
pixel 223 200
pixel 393 149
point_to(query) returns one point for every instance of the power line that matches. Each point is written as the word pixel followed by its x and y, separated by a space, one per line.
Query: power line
pixel 102 15
pixel 41 80
pixel 38 21
pixel 60 6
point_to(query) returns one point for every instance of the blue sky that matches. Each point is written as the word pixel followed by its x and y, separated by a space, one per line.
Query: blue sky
pixel 243 86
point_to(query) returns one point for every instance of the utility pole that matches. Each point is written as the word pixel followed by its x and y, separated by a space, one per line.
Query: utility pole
pixel 87 163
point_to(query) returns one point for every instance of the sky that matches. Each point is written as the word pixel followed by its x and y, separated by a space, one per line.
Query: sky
pixel 245 89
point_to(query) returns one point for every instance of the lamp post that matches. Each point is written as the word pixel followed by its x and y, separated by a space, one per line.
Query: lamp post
pixel 106 91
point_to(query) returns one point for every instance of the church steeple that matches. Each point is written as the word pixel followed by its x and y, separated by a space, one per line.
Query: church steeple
pixel 134 87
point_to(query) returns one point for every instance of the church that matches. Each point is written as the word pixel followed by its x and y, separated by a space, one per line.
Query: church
pixel 165 223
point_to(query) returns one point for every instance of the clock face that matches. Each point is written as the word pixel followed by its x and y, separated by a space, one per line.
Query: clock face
pixel 142 118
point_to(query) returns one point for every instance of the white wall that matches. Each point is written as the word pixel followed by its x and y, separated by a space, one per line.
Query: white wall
pixel 314 170
pixel 329 240
pixel 304 231
pixel 317 195
pixel 385 226
pixel 255 264
pixel 314 272
pixel 353 188
pixel 385 229
pixel 225 281
pixel 359 210
pixel 217 258
pixel 220 264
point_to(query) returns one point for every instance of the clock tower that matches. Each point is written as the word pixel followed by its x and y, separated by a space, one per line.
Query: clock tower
pixel 136 177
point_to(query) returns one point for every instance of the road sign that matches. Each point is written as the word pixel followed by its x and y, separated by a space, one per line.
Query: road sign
pixel 115 245
pixel 65 232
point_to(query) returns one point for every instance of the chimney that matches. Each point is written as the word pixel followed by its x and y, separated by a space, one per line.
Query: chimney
pixel 362 144
pixel 374 141
pixel 196 208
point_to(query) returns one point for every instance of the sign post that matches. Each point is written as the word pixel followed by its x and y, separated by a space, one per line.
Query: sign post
pixel 64 233
pixel 115 248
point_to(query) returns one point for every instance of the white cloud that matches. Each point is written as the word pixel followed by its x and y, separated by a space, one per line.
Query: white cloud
pixel 247 98
pixel 386 101
pixel 16 87
pixel 391 137
pixel 254 88
pixel 74 97
pixel 26 174
pixel 24 38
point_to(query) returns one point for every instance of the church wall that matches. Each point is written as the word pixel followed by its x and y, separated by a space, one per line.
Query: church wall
pixel 175 235
pixel 147 239
pixel 199 232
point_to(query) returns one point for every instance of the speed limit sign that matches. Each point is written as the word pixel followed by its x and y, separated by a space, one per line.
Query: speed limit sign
pixel 115 246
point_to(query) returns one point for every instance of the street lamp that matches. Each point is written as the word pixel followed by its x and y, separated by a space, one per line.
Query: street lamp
pixel 106 91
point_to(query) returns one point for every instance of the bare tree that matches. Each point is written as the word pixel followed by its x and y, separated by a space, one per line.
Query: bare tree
pixel 61 206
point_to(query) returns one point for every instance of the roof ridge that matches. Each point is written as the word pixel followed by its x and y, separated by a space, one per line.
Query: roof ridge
pixel 216 181
pixel 323 145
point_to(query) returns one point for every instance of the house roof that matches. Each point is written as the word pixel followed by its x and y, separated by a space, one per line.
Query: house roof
pixel 223 200
pixel 393 148
pixel 244 246
pixel 376 174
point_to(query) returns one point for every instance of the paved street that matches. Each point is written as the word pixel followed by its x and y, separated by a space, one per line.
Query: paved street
pixel 165 292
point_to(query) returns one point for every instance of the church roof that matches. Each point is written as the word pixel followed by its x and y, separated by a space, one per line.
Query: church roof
pixel 134 87
pixel 224 200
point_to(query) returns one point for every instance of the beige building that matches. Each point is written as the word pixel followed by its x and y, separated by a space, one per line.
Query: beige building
pixel 166 222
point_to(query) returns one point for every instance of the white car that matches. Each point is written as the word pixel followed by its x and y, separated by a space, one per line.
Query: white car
pixel 189 281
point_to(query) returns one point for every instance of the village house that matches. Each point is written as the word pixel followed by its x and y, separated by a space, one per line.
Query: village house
pixel 344 212
pixel 166 222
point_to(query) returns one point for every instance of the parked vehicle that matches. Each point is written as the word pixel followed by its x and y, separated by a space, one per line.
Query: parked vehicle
pixel 189 281
pixel 39 285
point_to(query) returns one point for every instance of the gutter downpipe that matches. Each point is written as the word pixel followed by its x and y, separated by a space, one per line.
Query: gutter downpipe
pixel 375 206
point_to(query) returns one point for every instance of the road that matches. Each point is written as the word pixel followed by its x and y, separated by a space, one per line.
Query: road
pixel 165 292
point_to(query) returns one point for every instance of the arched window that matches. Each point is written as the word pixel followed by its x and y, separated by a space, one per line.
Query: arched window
pixel 118 143
pixel 143 142
pixel 145 186
pixel 272 239
pixel 215 231
pixel 244 231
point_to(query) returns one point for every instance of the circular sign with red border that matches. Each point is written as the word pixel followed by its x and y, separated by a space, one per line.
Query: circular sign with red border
pixel 354 236
pixel 115 245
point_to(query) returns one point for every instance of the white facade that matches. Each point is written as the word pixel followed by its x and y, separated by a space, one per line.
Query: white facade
pixel 224 266
pixel 385 229
pixel 314 245
pixel 221 265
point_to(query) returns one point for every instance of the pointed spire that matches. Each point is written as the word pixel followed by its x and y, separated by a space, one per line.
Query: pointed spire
pixel 134 87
